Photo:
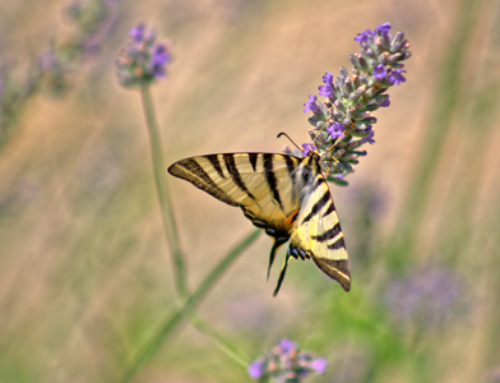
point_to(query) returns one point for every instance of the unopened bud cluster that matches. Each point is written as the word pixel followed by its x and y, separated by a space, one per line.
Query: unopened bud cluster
pixel 143 60
pixel 286 364
pixel 343 121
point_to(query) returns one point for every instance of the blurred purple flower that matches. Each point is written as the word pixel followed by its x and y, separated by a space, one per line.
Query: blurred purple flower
pixel 319 365
pixel 383 28
pixel 396 76
pixel 287 345
pixel 385 103
pixel 368 138
pixel 142 60
pixel 308 148
pixel 255 370
pixel 428 296
pixel 311 104
pixel 325 90
pixel 286 364
pixel 137 33
pixel 379 72
pixel 336 129
pixel 328 78
pixel 363 36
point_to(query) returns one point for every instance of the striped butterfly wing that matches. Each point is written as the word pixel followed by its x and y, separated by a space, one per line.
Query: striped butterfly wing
pixel 284 195
pixel 317 232
pixel 264 185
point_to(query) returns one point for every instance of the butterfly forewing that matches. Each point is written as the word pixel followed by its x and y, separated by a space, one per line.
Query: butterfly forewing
pixel 260 183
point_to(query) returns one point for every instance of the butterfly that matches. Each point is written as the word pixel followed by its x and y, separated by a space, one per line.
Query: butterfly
pixel 286 196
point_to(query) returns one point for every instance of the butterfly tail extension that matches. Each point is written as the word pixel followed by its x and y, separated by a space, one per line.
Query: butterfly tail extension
pixel 282 274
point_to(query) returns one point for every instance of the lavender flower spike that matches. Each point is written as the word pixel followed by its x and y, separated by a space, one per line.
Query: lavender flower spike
pixel 143 60
pixel 344 121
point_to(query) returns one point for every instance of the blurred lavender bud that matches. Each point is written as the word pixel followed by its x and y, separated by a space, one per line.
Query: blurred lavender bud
pixel 428 297
pixel 398 42
pixel 142 61
pixel 354 60
pixel 286 364
pixel 339 105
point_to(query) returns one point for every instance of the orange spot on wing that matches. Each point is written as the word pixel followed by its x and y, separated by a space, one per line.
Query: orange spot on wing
pixel 292 217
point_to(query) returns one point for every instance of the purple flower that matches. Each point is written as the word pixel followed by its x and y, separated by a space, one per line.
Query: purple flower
pixel 363 36
pixel 429 296
pixel 325 90
pixel 368 138
pixel 319 365
pixel 256 369
pixel 308 148
pixel 336 129
pixel 286 363
pixel 396 76
pixel 311 104
pixel 385 103
pixel 161 55
pixel 383 28
pixel 137 33
pixel 143 60
pixel 287 345
pixel 379 72
pixel 328 78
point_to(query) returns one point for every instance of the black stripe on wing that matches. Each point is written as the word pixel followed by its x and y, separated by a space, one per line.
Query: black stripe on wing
pixel 329 234
pixel 317 206
pixel 338 244
pixel 292 173
pixel 190 170
pixel 235 174
pixel 214 160
pixel 253 160
pixel 271 177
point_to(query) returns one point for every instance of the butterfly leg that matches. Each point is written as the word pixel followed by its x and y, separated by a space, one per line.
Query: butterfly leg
pixel 277 242
pixel 282 274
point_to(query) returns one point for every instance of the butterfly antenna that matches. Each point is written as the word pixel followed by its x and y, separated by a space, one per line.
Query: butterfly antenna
pixel 287 136
pixel 282 274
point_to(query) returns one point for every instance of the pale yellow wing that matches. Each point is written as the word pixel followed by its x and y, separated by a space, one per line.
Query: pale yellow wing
pixel 317 233
pixel 264 185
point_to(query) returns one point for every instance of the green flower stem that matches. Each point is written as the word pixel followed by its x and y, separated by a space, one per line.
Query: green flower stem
pixel 171 227
pixel 226 346
pixel 174 320
pixel 163 192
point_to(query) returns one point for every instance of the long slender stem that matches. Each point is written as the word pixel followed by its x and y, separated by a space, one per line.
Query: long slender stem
pixel 163 192
pixel 175 319
pixel 171 229
pixel 226 346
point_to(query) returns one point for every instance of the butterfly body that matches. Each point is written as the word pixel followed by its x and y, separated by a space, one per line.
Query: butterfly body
pixel 286 196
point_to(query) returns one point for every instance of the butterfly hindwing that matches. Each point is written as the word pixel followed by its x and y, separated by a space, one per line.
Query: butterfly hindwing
pixel 284 195
pixel 317 233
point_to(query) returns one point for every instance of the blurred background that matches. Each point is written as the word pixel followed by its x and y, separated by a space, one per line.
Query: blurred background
pixel 85 272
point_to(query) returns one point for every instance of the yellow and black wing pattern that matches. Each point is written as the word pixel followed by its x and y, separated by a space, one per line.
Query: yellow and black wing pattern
pixel 285 196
